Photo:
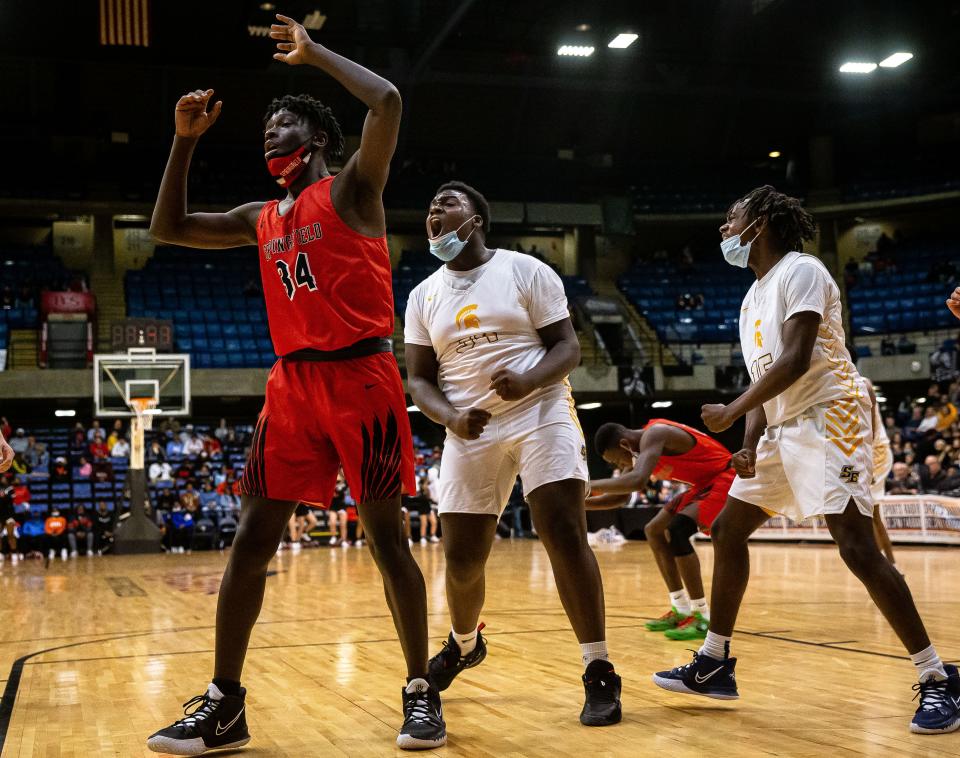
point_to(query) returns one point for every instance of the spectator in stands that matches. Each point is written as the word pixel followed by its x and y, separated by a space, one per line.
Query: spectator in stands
pixel 85 469
pixel 19 441
pixel 42 469
pixel 94 430
pixel 31 454
pixel 888 346
pixel 179 529
pixel 174 447
pixel 8 521
pixel 32 536
pixel 932 476
pixel 98 448
pixel 60 473
pixel 185 434
pixel 903 481
pixel 156 452
pixel 212 447
pixel 189 498
pixel 222 430
pixel 193 445
pixel 103 523
pixel 159 472
pixel 207 495
pixel 19 465
pixel 102 470
pixel 7 299
pixel 55 529
pixel 120 449
pixel 80 531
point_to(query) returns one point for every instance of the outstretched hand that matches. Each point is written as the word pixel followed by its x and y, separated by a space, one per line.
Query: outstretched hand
pixel 191 117
pixel 6 455
pixel 953 302
pixel 293 41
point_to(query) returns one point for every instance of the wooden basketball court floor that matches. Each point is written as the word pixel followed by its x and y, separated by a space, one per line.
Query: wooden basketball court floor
pixel 96 654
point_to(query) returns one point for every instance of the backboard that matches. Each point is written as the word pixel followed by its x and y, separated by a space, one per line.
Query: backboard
pixel 121 378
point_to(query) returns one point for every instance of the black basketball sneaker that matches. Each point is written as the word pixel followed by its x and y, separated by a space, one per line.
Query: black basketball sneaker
pixel 703 676
pixel 445 665
pixel 602 687
pixel 423 726
pixel 217 721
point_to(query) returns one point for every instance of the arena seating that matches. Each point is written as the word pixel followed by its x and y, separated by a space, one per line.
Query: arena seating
pixel 909 296
pixel 24 272
pixel 203 294
pixel 653 289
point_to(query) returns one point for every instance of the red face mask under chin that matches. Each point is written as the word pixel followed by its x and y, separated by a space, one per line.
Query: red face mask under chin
pixel 286 168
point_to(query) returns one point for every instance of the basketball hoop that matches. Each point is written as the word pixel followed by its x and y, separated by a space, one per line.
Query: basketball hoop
pixel 144 408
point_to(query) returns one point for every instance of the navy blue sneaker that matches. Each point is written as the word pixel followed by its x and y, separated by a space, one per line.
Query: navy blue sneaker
pixel 939 709
pixel 446 664
pixel 704 676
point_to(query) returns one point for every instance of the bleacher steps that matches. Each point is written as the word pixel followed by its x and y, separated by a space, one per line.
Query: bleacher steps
pixel 24 344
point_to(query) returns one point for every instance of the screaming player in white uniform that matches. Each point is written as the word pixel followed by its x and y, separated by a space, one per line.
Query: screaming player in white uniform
pixel 489 345
pixel 807 450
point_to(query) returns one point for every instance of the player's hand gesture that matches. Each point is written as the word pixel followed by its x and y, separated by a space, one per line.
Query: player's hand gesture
pixel 293 41
pixel 192 118
pixel 953 302
pixel 469 424
pixel 510 385
pixel 6 455
pixel 745 463
pixel 716 417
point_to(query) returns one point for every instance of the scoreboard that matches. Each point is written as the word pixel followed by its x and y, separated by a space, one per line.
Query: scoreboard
pixel 142 332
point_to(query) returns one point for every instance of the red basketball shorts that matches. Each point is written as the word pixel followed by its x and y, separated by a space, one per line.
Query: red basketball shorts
pixel 709 500
pixel 319 416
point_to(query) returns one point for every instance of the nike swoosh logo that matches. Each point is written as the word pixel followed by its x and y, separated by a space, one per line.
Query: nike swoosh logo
pixel 227 727
pixel 700 680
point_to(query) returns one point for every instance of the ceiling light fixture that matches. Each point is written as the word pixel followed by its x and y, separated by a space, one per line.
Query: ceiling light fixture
pixel 64 414
pixel 895 60
pixel 622 40
pixel 578 51
pixel 857 67
pixel 589 406
pixel 661 404
pixel 583 27
pixel 774 153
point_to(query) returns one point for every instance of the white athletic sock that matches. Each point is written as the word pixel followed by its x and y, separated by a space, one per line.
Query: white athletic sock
pixel 928 664
pixel 716 646
pixel 681 601
pixel 467 641
pixel 699 605
pixel 593 651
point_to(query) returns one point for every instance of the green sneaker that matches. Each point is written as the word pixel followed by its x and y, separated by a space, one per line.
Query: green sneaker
pixel 691 628
pixel 668 620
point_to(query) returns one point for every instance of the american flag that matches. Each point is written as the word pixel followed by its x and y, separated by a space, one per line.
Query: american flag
pixel 125 22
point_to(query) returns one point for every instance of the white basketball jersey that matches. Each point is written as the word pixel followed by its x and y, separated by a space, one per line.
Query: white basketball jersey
pixel 796 284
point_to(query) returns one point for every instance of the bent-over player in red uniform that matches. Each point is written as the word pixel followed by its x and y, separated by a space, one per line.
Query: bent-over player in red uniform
pixel 668 450
pixel 335 396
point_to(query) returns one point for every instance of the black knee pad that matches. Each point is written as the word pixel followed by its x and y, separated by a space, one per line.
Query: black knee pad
pixel 681 529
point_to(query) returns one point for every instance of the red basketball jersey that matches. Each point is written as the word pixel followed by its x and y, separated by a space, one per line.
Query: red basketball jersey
pixel 698 467
pixel 326 286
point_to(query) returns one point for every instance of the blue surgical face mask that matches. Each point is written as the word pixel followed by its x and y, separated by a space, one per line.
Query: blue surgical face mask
pixel 735 253
pixel 449 246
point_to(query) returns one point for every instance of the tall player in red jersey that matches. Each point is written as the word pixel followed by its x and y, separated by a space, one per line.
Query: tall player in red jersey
pixel 335 396
pixel 668 450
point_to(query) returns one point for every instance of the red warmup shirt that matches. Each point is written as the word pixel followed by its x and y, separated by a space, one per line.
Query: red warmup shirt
pixel 698 467
pixel 326 286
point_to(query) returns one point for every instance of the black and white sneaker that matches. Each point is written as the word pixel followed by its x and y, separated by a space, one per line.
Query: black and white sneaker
pixel 703 676
pixel 423 726
pixel 445 665
pixel 217 722
pixel 602 686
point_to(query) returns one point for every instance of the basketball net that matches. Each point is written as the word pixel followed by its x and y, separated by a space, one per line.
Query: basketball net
pixel 142 408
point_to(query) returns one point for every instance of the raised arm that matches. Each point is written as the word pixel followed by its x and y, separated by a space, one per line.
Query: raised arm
pixel 171 223
pixel 366 172
pixel 6 455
